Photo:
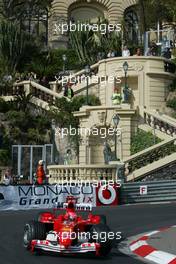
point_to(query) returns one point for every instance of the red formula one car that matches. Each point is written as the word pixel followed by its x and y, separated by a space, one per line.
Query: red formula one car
pixel 69 232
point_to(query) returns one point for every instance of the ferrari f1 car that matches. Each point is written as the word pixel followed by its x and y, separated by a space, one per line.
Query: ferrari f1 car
pixel 68 233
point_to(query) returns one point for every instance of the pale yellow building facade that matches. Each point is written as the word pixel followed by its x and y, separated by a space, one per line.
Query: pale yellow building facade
pixel 63 11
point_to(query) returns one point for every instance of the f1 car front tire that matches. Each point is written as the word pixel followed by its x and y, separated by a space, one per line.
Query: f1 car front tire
pixel 106 244
pixel 33 230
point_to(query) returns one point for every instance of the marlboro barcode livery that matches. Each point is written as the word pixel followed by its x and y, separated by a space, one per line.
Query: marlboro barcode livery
pixel 69 232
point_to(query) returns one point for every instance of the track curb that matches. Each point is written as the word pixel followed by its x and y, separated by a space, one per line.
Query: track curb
pixel 142 249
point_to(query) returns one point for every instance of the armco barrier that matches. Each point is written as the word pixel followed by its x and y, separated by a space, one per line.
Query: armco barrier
pixel 153 191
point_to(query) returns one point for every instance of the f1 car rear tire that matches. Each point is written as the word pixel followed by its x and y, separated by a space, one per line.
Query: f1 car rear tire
pixel 106 244
pixel 33 230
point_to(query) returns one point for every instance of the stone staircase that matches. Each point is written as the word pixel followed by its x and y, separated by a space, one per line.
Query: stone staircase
pixel 43 97
pixel 159 160
pixel 141 166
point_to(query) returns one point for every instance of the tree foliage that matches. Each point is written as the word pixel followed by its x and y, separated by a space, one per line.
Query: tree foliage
pixel 88 43
pixel 24 127
pixel 63 110
pixel 152 11
pixel 18 10
pixel 14 45
pixel 50 63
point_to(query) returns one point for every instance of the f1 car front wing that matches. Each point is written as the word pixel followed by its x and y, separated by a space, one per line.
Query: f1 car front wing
pixel 49 246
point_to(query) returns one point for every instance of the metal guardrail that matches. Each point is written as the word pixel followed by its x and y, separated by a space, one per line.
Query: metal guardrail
pixel 157 191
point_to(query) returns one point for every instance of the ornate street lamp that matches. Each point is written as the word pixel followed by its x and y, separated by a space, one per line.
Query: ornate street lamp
pixel 116 120
pixel 87 74
pixel 125 68
pixel 53 127
pixel 64 58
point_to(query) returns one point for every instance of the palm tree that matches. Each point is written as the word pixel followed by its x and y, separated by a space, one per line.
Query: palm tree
pixel 87 44
pixel 23 101
pixel 12 46
pixel 79 42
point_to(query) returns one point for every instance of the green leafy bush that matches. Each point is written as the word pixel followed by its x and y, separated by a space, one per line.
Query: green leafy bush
pixel 50 63
pixel 4 106
pixel 16 118
pixel 143 140
pixel 80 100
pixel 172 86
pixel 63 114
pixel 171 103
pixel 4 157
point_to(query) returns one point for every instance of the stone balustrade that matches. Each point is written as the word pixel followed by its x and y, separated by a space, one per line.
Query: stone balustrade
pixel 160 122
pixel 77 77
pixel 48 95
pixel 39 92
pixel 78 173
pixel 12 90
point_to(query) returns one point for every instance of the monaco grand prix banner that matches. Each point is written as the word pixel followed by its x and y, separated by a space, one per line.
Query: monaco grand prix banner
pixel 23 197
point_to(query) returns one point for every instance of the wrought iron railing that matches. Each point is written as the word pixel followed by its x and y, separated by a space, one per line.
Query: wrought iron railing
pixel 150 155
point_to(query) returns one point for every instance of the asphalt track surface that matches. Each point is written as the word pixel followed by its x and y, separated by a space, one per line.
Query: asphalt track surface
pixel 130 220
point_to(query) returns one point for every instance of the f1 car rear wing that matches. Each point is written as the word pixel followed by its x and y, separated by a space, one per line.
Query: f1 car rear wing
pixel 78 207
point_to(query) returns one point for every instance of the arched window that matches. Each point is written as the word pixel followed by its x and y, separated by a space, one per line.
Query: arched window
pixel 131 33
pixel 82 11
pixel 36 24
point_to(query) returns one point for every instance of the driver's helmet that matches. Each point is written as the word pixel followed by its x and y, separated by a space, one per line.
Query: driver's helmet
pixel 72 216
pixel 71 201
pixel 71 205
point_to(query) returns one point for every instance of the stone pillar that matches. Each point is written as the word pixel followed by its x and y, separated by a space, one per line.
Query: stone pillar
pixel 57 39
pixel 102 87
pixel 125 125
